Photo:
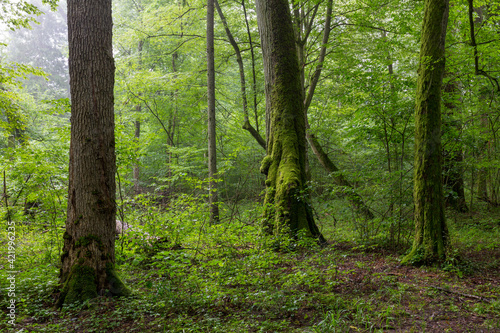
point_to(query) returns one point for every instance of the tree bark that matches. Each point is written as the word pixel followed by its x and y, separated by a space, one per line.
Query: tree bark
pixel 453 179
pixel 88 257
pixel 246 125
pixel 212 154
pixel 137 132
pixel 349 192
pixel 287 206
pixel 431 234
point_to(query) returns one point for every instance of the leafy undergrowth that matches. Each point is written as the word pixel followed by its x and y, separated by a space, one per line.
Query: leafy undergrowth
pixel 243 289
pixel 188 276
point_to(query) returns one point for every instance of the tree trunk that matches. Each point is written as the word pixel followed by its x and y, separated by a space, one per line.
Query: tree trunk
pixel 88 257
pixel 246 125
pixel 301 40
pixel 287 207
pixel 137 133
pixel 212 154
pixel 431 234
pixel 348 191
pixel 137 136
pixel 453 180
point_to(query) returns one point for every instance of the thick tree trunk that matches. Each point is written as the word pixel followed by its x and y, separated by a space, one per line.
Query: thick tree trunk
pixel 88 254
pixel 212 154
pixel 431 234
pixel 287 207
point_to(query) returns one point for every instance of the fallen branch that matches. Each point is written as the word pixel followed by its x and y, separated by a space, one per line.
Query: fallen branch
pixel 483 299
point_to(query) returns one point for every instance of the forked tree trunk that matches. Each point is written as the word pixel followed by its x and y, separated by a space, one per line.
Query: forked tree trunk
pixel 88 257
pixel 287 206
pixel 431 234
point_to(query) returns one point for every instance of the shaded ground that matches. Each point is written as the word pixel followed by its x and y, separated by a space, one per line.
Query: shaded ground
pixel 337 289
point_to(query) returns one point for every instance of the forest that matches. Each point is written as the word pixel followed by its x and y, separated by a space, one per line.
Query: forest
pixel 250 166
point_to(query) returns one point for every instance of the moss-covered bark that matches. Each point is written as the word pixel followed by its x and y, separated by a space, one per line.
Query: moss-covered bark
pixel 431 234
pixel 287 207
pixel 87 262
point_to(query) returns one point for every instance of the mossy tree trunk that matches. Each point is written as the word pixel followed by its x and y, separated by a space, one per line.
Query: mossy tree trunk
pixel 431 234
pixel 88 255
pixel 287 206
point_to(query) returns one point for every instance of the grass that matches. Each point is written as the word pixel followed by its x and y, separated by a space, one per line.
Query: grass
pixel 224 278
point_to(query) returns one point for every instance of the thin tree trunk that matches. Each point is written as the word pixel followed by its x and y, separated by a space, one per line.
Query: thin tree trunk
pixel 453 179
pixel 246 125
pixel 212 136
pixel 137 133
pixel 349 193
pixel 254 75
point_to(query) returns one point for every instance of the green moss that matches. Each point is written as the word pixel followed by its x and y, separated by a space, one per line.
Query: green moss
pixel 78 219
pixel 266 163
pixel 116 286
pixel 64 255
pixel 86 240
pixel 80 286
pixel 66 235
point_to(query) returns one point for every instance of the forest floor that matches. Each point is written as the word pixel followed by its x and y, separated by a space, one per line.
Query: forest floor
pixel 231 284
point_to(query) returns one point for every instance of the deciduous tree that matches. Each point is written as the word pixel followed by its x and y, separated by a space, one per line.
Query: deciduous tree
pixel 287 203
pixel 88 257
pixel 431 234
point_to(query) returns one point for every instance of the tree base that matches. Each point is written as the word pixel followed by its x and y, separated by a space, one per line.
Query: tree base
pixel 418 256
pixel 81 285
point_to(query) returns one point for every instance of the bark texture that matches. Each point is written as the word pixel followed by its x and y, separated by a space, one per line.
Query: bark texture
pixel 287 207
pixel 137 132
pixel 88 255
pixel 212 154
pixel 431 234
pixel 453 179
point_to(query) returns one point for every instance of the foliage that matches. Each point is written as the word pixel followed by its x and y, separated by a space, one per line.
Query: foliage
pixel 188 275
